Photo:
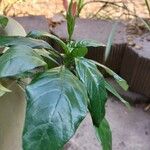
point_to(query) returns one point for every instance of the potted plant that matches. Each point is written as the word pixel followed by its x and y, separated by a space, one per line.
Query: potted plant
pixel 60 88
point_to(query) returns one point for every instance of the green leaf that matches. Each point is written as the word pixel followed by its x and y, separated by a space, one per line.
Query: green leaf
pixel 110 41
pixel 3 90
pixel 112 90
pixel 76 50
pixel 80 6
pixel 147 5
pixel 94 82
pixel 79 49
pixel 104 135
pixel 3 21
pixel 88 43
pixel 40 34
pixel 13 28
pixel 79 52
pixel 80 3
pixel 118 79
pixel 42 52
pixel 70 20
pixel 146 24
pixel 19 60
pixel 46 54
pixel 7 41
pixel 52 58
pixel 57 103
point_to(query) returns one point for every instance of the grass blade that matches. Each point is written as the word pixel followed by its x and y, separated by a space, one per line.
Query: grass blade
pixel 110 41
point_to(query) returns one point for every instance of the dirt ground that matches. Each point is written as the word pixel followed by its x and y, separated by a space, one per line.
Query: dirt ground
pixel 51 7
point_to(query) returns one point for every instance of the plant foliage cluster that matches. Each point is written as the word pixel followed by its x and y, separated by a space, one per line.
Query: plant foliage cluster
pixel 64 86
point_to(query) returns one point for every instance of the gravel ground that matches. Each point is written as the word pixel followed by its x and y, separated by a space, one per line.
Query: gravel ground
pixel 50 7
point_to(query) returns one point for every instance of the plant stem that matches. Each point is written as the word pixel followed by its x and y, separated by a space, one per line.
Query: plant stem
pixel 148 6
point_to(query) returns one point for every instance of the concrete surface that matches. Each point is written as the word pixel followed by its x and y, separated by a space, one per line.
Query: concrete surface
pixel 130 130
pixel 30 23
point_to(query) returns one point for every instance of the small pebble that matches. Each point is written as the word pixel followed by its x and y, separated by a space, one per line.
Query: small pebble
pixel 138 47
pixel 130 39
pixel 131 43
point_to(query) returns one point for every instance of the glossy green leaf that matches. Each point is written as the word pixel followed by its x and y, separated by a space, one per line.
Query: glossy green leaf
pixel 79 52
pixel 3 90
pixel 110 41
pixel 94 82
pixel 118 79
pixel 79 49
pixel 112 90
pixel 18 60
pixel 46 54
pixel 42 52
pixel 18 40
pixel 76 49
pixel 40 34
pixel 88 43
pixel 70 21
pixel 57 103
pixel 3 21
pixel 104 135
